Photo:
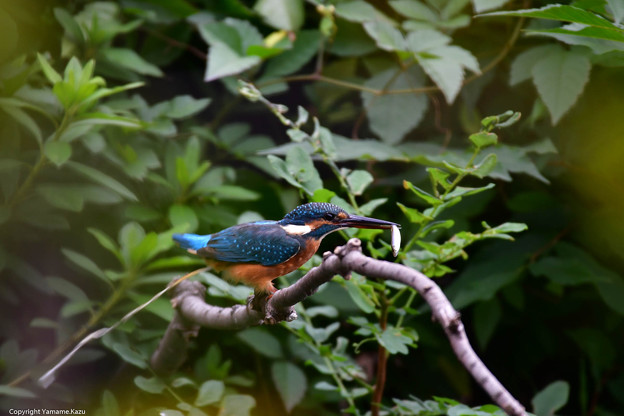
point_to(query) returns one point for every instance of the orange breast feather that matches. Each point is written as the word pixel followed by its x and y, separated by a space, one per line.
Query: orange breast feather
pixel 261 277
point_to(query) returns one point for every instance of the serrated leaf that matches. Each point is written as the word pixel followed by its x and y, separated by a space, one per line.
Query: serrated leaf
pixel 392 116
pixel 209 392
pixel 291 383
pixel 560 78
pixel 385 35
pixel 562 13
pixel 281 14
pixel 426 39
pixel 481 6
pixel 393 340
pixel 57 152
pixel 414 10
pixel 223 61
pixel 522 66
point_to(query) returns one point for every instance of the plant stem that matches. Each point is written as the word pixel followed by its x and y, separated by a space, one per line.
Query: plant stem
pixel 382 361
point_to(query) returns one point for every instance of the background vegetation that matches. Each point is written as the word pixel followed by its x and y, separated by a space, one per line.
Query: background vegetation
pixel 122 122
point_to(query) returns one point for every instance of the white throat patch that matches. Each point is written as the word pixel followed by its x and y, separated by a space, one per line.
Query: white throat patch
pixel 296 229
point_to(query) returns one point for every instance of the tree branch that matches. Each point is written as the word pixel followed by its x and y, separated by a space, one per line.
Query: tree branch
pixel 193 311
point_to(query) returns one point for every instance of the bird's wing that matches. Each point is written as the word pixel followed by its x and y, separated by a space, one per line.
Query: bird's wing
pixel 264 243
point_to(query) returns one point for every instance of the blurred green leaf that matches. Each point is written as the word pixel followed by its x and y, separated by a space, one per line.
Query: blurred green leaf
pixel 358 181
pixel 281 14
pixel 103 179
pixel 152 385
pixel 291 383
pixel 261 341
pixel 84 262
pixel 129 59
pixel 237 405
pixel 209 392
pixel 552 398
pixel 57 152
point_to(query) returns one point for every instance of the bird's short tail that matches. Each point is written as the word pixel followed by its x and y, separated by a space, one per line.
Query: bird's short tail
pixel 191 241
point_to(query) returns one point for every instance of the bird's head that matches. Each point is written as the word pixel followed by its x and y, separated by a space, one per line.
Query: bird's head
pixel 318 219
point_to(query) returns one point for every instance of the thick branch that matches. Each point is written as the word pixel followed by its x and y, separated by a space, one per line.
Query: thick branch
pixel 194 311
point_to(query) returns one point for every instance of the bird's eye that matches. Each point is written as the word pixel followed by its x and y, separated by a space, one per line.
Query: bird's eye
pixel 329 216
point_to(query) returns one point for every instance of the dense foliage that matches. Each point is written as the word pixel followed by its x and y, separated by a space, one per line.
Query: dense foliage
pixel 122 122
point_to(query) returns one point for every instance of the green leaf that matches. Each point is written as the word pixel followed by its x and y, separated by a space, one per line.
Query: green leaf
pixel 183 216
pixel 234 193
pixel 16 392
pixel 130 355
pixel 281 14
pixel 385 35
pixel 358 296
pixel 413 214
pixel 66 289
pixel 617 9
pixel 50 73
pixel 427 197
pixel 63 197
pixel 481 6
pixel 291 383
pixel 563 13
pixel 483 139
pixel 57 152
pixel 487 316
pixel 184 106
pixel 522 65
pixel 103 179
pixel 261 341
pixel 129 59
pixel 445 66
pixel 560 77
pixel 360 11
pixel 24 119
pixel 71 26
pixel 393 340
pixel 486 166
pixel 392 116
pixel 105 241
pixel 414 10
pixel 358 181
pixel 84 262
pixel 152 385
pixel 103 119
pixel 291 60
pixel 223 61
pixel 552 398
pixel 237 405
pixel 209 392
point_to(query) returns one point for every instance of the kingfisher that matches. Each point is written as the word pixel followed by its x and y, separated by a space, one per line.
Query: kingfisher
pixel 257 253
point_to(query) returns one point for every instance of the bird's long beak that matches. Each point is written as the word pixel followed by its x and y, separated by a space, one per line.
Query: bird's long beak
pixel 364 222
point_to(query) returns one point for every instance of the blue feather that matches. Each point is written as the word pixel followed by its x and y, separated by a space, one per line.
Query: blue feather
pixel 191 241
